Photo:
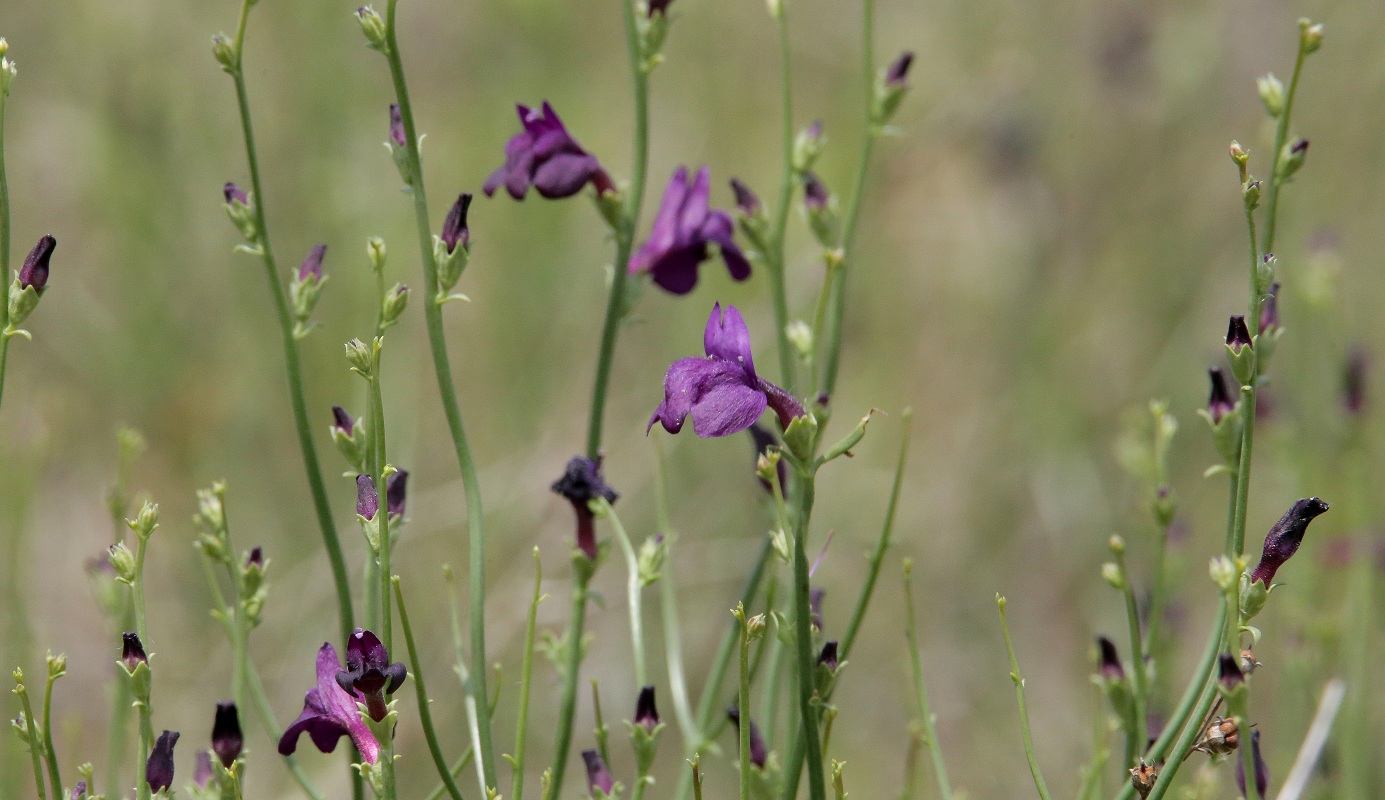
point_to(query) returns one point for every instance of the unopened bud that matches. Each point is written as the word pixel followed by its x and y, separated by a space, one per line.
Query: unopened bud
pixel 373 27
pixel 223 52
pixel 1271 93
pixel 1309 36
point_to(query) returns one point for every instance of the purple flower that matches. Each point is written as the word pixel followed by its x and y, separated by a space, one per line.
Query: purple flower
pixel 202 769
pixel 369 673
pixel 312 265
pixel 1284 538
pixel 329 713
pixel 342 420
pixel 1219 403
pixel 227 739
pixel 646 713
pixel 1108 660
pixel 397 126
pixel 454 229
pixel 35 270
pixel 367 498
pixel 897 75
pixel 1262 771
pixel 721 392
pixel 746 200
pixel 598 777
pixel 544 155
pixel 1237 334
pixel 581 483
pixel 682 230
pixel 1229 674
pixel 132 651
pixel 659 7
pixel 255 558
pixel 158 771
pixel 815 194
pixel 79 792
pixel 758 753
pixel 828 656
pixel 235 194
pixel 396 487
pixel 1269 308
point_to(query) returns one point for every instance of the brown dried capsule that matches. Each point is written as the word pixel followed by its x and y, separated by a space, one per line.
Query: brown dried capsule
pixel 1248 662
pixel 1143 777
pixel 1221 736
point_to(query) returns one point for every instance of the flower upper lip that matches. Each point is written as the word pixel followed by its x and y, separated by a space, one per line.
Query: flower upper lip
pixel 682 230
pixel 329 713
pixel 545 156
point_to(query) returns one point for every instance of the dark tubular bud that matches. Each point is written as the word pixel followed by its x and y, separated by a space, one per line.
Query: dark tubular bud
pixel 256 558
pixel 343 420
pixel 1237 334
pixel 1219 403
pixel 1108 660
pixel 1269 309
pixel 79 792
pixel 581 483
pixel 454 229
pixel 1295 153
pixel 226 735
pixel 1354 379
pixel 312 265
pixel 598 777
pixel 1262 771
pixel 828 656
pixel 646 714
pixel 1285 537
pixel 659 7
pixel 746 201
pixel 367 498
pixel 1229 673
pixel 158 772
pixel 369 675
pixel 397 125
pixel 396 486
pixel 132 651
pixel 758 753
pixel 815 194
pixel 35 270
pixel 235 194
pixel 897 76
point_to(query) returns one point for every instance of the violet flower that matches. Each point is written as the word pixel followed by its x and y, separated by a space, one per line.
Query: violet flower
pixel 1237 334
pixel 227 739
pixel 1109 661
pixel 828 656
pixel 34 272
pixel 598 777
pixel 202 769
pixel 746 199
pixel 646 713
pixel 1269 308
pixel 454 228
pixel 544 155
pixel 132 651
pixel 1229 674
pixel 1262 770
pixel 759 754
pixel 397 126
pixel 369 673
pixel 897 74
pixel 329 713
pixel 721 392
pixel 581 483
pixel 1219 402
pixel 255 558
pixel 342 421
pixel 367 498
pixel 1284 538
pixel 158 770
pixel 683 228
pixel 235 194
pixel 396 487
pixel 312 265
pixel 659 7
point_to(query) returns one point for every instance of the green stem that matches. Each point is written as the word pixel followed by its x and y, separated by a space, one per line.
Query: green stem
pixel 930 731
pixel 1024 710
pixel 54 772
pixel 464 677
pixel 451 408
pixel 1238 521
pixel 117 728
pixel 673 647
pixel 381 483
pixel 4 249
pixel 292 366
pixel 146 724
pixel 425 717
pixel 455 771
pixel 568 708
pixel 775 258
pixel 266 712
pixel 632 593
pixel 743 704
pixel 1139 733
pixel 625 236
pixel 803 636
pixel 137 589
pixel 1281 135
pixel 35 745
pixel 526 681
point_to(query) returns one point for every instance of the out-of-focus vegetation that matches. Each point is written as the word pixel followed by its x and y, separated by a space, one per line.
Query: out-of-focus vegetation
pixel 1054 237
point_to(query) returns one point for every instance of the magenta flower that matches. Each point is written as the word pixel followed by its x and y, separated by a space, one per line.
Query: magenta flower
pixel 544 155
pixel 397 126
pixel 312 265
pixel 1285 537
pixel 396 491
pixel 682 230
pixel 598 777
pixel 329 713
pixel 369 673
pixel 721 392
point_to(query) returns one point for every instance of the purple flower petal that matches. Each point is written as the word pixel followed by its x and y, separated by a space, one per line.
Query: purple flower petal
pixel 328 713
pixel 726 337
pixel 565 174
pixel 726 405
pixel 675 271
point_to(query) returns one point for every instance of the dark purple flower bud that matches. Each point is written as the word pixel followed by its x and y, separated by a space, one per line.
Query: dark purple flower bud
pixel 158 772
pixel 815 598
pixel 758 753
pixel 35 270
pixel 226 735
pixel 329 713
pixel 897 75
pixel 1262 771
pixel 659 7
pixel 342 420
pixel 828 656
pixel 721 392
pixel 367 498
pixel 815 195
pixel 1219 403
pixel 1299 147
pixel 746 201
pixel 79 792
pixel 581 483
pixel 1237 334
pixel 1285 537
pixel 396 488
pixel 646 714
pixel 598 777
pixel 202 769
pixel 682 232
pixel 1229 673
pixel 1354 380
pixel 544 155
pixel 132 651
pixel 1109 661
pixel 763 440
pixel 369 672
pixel 256 557
pixel 312 265
pixel 1269 308
pixel 454 229
pixel 397 126
pixel 235 194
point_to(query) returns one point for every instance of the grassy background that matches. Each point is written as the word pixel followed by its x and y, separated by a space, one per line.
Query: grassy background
pixel 1053 239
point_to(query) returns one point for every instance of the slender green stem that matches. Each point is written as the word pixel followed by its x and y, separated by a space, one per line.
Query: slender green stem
pixel 883 543
pixel 4 249
pixel 526 682
pixel 146 724
pixel 743 704
pixel 425 717
pixel 49 751
pixel 625 236
pixel 464 676
pixel 447 390
pixel 832 336
pixel 632 593
pixel 1281 135
pixel 1024 710
pixel 568 709
pixel 803 639
pixel 668 603
pixel 293 369
pixel 381 483
pixel 137 589
pixel 1139 733
pixel 1239 708
pixel 775 257
pixel 930 731
pixel 1238 524
pixel 455 770
pixel 117 728
pixel 35 741
pixel 266 712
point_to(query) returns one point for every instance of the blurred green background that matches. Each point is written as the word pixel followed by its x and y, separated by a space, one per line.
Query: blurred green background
pixel 1053 238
